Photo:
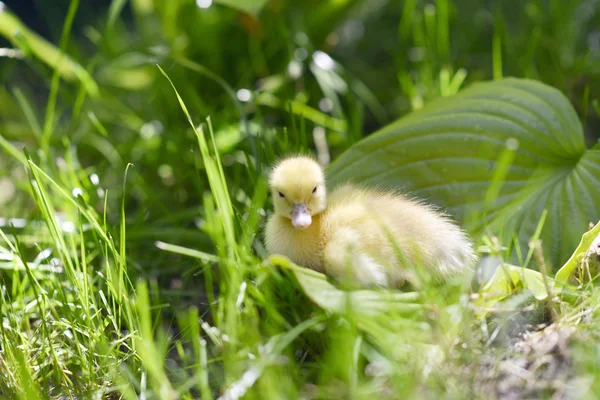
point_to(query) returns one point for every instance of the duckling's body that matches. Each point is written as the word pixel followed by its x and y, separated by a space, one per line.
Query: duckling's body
pixel 304 247
pixel 371 237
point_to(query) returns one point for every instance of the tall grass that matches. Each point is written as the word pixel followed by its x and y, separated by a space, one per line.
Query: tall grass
pixel 131 255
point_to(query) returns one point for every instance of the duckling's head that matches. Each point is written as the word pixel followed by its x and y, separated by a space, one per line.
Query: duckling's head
pixel 298 189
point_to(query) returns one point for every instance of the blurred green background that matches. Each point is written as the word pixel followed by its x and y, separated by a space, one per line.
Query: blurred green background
pixel 274 76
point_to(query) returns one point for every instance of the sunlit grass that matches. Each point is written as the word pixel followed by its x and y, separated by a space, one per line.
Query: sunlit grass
pixel 131 254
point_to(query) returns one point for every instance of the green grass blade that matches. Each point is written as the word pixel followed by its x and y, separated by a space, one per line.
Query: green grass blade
pixel 31 43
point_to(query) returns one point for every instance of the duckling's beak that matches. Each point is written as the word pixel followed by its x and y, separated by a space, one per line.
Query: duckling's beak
pixel 301 218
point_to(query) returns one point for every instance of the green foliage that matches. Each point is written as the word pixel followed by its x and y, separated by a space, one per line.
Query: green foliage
pixel 250 6
pixel 131 256
pixel 565 273
pixel 508 280
pixel 32 44
pixel 447 153
pixel 359 304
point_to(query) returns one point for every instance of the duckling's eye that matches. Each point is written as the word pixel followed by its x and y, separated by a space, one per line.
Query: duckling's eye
pixel 315 190
pixel 281 194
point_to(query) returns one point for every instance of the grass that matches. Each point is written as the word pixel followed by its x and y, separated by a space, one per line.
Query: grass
pixel 136 149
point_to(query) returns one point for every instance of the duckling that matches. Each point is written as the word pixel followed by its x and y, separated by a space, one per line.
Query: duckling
pixel 369 237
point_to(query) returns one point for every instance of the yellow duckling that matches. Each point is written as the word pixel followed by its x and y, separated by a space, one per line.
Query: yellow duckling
pixel 369 237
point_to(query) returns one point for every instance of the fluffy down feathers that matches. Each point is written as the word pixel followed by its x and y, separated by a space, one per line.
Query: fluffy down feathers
pixel 366 236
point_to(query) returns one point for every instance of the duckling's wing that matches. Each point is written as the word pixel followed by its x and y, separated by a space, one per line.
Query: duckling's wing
pixel 345 261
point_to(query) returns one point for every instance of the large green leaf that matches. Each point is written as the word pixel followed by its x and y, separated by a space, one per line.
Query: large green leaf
pixel 447 151
pixel 363 303
pixel 378 313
